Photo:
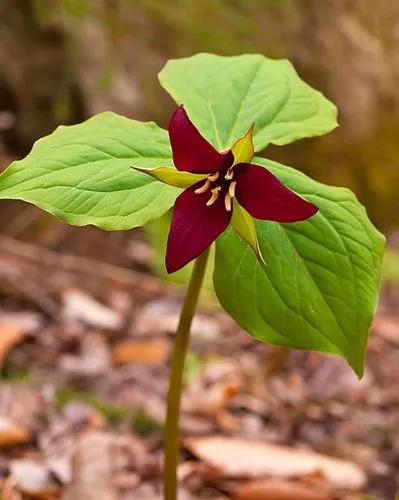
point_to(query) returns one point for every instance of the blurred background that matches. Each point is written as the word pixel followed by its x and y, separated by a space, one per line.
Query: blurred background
pixel 86 322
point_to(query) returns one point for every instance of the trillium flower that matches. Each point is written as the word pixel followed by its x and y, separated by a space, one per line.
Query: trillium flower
pixel 220 188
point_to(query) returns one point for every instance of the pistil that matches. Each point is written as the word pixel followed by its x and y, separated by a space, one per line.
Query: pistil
pixel 217 189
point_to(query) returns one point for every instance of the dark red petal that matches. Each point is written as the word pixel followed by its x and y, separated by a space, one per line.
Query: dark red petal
pixel 194 227
pixel 191 152
pixel 265 197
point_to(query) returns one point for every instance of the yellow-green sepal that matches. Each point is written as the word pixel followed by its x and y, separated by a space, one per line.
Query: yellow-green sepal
pixel 244 225
pixel 243 148
pixel 172 176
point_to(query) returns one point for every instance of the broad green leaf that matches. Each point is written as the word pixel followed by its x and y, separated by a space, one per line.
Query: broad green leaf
pixel 244 224
pixel 224 95
pixel 82 173
pixel 243 148
pixel 172 176
pixel 320 286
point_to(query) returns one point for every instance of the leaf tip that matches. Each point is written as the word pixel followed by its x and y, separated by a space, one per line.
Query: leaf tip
pixel 357 364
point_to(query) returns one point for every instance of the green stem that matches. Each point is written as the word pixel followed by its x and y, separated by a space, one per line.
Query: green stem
pixel 171 436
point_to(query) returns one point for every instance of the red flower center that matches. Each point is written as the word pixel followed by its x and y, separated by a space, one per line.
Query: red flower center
pixel 220 184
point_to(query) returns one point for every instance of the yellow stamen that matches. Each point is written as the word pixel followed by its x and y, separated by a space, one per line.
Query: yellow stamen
pixel 214 176
pixel 229 175
pixel 232 189
pixel 214 197
pixel 227 202
pixel 203 188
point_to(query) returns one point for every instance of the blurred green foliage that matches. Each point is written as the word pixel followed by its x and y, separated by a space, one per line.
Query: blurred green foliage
pixel 337 46
pixel 390 269
pixel 193 365
pixel 13 373
pixel 140 421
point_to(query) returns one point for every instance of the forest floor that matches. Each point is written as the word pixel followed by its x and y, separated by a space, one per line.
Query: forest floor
pixel 84 353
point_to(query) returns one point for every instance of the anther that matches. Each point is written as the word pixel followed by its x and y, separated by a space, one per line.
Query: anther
pixel 227 202
pixel 232 189
pixel 229 175
pixel 213 177
pixel 203 188
pixel 215 195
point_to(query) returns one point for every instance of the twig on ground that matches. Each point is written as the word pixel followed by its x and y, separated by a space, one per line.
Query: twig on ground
pixel 74 263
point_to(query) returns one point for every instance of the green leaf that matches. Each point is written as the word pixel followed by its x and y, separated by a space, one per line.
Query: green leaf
pixel 319 289
pixel 172 176
pixel 225 95
pixel 82 173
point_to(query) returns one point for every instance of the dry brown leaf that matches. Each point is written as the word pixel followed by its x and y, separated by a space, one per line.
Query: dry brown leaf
pixel 92 472
pixel 150 352
pixel 162 316
pixel 81 307
pixel 244 458
pixel 8 490
pixel 9 337
pixel 26 321
pixel 277 489
pixel 33 479
pixel 211 400
pixel 227 421
pixel 195 474
pixel 127 480
pixel 93 360
pixel 12 434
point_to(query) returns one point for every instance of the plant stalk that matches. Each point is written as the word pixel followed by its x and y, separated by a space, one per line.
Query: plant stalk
pixel 171 431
